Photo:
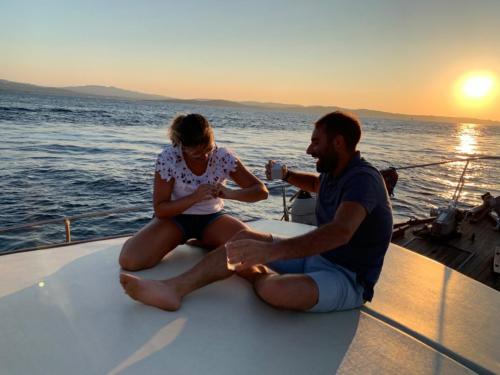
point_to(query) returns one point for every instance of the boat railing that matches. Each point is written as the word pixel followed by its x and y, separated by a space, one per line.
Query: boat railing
pixel 461 180
pixel 272 185
pixel 447 161
pixel 67 220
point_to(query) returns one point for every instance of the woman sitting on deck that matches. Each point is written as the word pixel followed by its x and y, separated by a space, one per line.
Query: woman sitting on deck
pixel 188 195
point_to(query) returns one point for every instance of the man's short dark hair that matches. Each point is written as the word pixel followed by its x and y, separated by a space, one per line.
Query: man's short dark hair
pixel 344 124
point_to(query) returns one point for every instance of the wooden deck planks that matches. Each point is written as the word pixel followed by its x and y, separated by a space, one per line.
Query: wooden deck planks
pixel 480 238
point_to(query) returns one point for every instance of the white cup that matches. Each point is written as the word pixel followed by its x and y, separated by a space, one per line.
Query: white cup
pixel 276 171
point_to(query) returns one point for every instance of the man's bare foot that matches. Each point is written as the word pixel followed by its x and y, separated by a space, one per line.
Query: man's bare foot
pixel 151 292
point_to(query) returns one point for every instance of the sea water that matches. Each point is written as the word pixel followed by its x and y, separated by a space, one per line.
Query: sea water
pixel 63 156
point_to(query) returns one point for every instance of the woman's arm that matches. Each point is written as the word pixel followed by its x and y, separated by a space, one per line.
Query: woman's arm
pixel 165 208
pixel 252 189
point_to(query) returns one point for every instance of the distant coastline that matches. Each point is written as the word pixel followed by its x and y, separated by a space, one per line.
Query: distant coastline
pixel 117 93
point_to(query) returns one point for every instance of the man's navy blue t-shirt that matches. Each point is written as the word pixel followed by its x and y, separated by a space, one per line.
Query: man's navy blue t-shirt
pixel 364 254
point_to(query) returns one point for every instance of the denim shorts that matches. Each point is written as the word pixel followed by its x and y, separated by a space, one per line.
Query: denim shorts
pixel 338 288
pixel 193 226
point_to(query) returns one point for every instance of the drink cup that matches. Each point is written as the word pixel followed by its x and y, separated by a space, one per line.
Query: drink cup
pixel 276 171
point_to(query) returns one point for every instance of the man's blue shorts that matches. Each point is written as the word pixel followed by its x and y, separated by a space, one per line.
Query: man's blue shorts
pixel 338 288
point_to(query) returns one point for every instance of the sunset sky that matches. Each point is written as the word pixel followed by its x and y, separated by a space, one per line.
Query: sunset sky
pixel 417 57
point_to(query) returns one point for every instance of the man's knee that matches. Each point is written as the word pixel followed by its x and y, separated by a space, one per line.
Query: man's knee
pixel 279 292
pixel 270 290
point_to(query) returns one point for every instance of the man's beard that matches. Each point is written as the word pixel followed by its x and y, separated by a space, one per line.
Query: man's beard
pixel 327 163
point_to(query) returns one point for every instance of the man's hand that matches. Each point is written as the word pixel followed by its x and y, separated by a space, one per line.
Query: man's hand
pixel 269 167
pixel 247 253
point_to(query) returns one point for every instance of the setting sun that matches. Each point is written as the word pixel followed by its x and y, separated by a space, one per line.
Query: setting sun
pixel 478 86
pixel 476 91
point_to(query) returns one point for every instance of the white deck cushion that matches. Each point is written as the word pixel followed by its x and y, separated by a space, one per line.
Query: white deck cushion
pixel 63 311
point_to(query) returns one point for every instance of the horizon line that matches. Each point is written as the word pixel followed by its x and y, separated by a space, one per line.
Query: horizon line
pixel 245 101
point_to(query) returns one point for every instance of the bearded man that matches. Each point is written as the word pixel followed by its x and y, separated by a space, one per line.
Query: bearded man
pixel 336 266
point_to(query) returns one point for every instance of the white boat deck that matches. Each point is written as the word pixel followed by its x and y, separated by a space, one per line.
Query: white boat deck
pixel 63 312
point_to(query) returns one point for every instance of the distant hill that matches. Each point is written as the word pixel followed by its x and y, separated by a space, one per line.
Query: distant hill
pixel 114 92
pixel 8 86
pixel 370 113
pixel 104 91
pixel 270 105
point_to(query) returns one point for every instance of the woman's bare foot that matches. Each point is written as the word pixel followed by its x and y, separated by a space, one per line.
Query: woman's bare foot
pixel 151 292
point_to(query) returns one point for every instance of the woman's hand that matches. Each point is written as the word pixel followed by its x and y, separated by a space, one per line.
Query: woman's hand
pixel 224 192
pixel 205 192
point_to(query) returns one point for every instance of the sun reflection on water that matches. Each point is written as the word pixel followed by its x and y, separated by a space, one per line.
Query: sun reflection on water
pixel 466 144
pixel 467 136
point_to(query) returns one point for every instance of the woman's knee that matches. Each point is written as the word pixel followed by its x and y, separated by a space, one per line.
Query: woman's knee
pixel 128 262
pixel 128 259
pixel 131 263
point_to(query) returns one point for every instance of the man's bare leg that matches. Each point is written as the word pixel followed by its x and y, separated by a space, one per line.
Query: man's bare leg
pixel 293 291
pixel 168 294
pixel 289 291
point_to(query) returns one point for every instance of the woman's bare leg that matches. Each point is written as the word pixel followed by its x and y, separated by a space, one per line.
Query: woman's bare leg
pixel 218 232
pixel 148 247
pixel 221 230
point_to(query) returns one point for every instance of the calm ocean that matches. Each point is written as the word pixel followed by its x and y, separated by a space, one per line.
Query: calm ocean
pixel 62 156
